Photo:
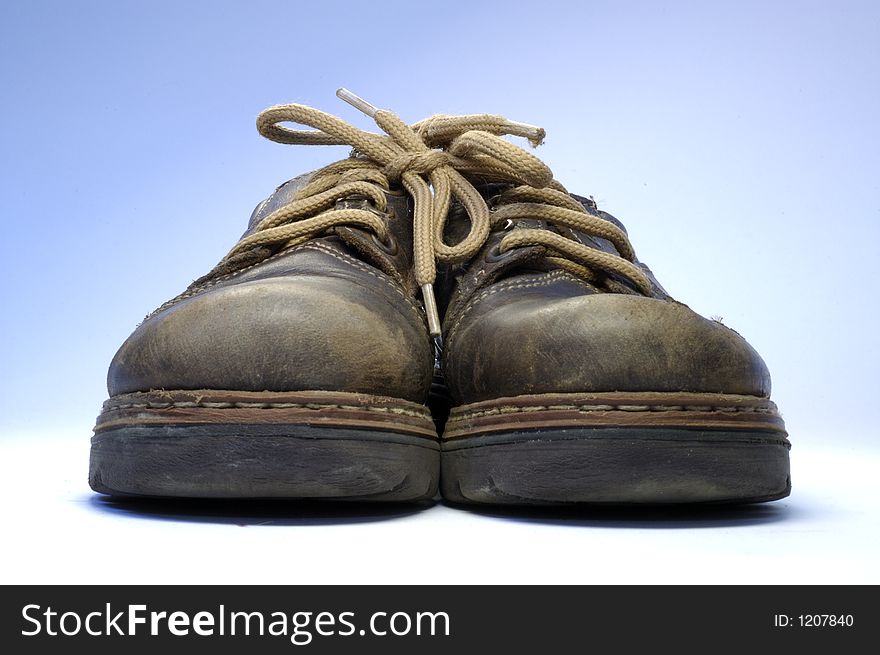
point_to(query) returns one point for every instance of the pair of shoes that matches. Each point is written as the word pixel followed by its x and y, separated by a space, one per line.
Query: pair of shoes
pixel 438 281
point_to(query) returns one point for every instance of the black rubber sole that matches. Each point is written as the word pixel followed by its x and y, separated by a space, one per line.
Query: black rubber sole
pixel 616 466
pixel 263 461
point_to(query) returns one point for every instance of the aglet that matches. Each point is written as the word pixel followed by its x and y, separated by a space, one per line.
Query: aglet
pixel 430 303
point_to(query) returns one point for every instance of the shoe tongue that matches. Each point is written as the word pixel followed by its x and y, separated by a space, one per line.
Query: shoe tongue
pixel 283 195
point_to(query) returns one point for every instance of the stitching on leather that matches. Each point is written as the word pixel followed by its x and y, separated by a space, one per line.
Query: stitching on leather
pixel 351 261
pixel 306 246
pixel 511 409
pixel 513 284
pixel 216 281
pixel 400 411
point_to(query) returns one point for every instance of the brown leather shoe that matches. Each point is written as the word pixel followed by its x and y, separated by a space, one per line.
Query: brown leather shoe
pixel 298 368
pixel 576 378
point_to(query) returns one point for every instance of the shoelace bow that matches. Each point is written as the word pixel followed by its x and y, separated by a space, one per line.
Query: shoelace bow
pixel 432 160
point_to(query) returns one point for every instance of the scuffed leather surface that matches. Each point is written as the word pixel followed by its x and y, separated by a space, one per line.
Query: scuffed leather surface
pixel 532 332
pixel 557 339
pixel 311 318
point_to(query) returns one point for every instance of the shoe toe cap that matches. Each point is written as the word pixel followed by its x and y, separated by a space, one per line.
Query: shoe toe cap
pixel 597 342
pixel 279 334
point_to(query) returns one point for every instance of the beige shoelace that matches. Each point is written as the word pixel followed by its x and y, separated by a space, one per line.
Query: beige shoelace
pixel 435 161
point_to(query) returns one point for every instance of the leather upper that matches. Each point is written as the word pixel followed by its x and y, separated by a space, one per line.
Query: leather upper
pixel 313 317
pixel 513 329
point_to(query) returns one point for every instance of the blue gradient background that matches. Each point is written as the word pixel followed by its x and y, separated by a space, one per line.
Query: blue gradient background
pixel 738 141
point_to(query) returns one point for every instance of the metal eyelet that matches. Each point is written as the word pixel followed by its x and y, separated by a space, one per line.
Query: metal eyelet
pixel 506 226
pixel 394 191
pixel 495 254
pixel 388 246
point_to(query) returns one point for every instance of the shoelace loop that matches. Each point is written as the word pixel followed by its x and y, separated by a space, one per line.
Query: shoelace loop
pixel 435 161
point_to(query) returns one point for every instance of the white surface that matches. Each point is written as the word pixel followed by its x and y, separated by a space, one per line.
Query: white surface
pixel 57 531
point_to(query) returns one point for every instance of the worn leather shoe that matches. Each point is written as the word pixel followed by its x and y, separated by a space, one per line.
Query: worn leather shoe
pixel 298 368
pixel 576 378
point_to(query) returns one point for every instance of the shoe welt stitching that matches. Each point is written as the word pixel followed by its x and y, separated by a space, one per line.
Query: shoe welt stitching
pixel 510 409
pixel 245 405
